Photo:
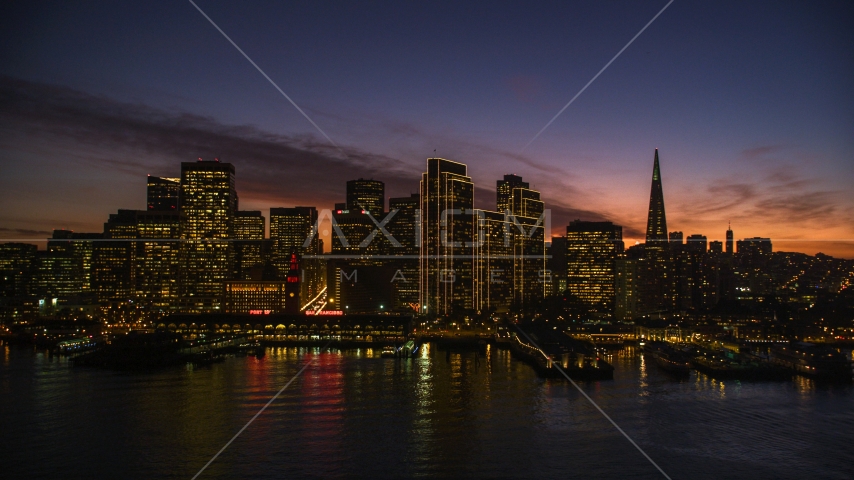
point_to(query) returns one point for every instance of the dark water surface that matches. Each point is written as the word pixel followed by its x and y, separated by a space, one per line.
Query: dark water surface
pixel 353 414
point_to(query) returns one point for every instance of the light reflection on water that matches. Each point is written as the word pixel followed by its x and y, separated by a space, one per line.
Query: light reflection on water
pixel 460 415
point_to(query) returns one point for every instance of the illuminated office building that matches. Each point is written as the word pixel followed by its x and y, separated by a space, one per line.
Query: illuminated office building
pixel 527 234
pixel 58 273
pixel 493 263
pixel 255 297
pixel 208 202
pixel 447 237
pixel 113 260
pixel 592 249
pixel 353 236
pixel 248 225
pixel 251 251
pixel 157 255
pixel 162 193
pixel 79 245
pixel 504 191
pixel 404 227
pixel 366 195
pixel 17 261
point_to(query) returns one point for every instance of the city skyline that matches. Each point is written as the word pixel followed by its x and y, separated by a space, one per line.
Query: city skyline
pixel 757 136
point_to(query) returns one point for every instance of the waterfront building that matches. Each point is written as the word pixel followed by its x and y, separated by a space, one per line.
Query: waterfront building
pixel 255 297
pixel 404 227
pixel 494 272
pixel 447 237
pixel 592 249
pixel 157 259
pixel 527 235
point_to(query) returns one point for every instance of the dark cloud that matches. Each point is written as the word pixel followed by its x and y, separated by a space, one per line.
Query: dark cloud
pixel 272 169
pixel 760 151
pixel 273 165
pixel 7 233
pixel 721 197
pixel 781 195
pixel 799 208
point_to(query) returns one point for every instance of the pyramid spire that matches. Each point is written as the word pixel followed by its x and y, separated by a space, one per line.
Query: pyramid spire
pixel 656 224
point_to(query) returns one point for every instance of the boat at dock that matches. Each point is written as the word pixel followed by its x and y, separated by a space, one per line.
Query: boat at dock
pixel 673 362
pixel 810 360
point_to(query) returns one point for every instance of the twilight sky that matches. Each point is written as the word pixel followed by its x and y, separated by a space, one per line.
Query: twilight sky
pixel 750 104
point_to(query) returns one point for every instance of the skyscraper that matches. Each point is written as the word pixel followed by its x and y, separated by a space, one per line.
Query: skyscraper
pixel 447 234
pixel 208 202
pixel 251 251
pixel 592 249
pixel 729 238
pixel 655 276
pixel 163 194
pixel 80 245
pixel 157 253
pixel 404 227
pixel 656 224
pixel 366 195
pixel 504 191
pixel 527 230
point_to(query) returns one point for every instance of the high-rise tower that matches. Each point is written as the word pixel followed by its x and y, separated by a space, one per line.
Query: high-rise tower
pixel 729 238
pixel 207 201
pixel 656 224
pixel 366 195
pixel 592 249
pixel 447 234
pixel 655 286
pixel 504 191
